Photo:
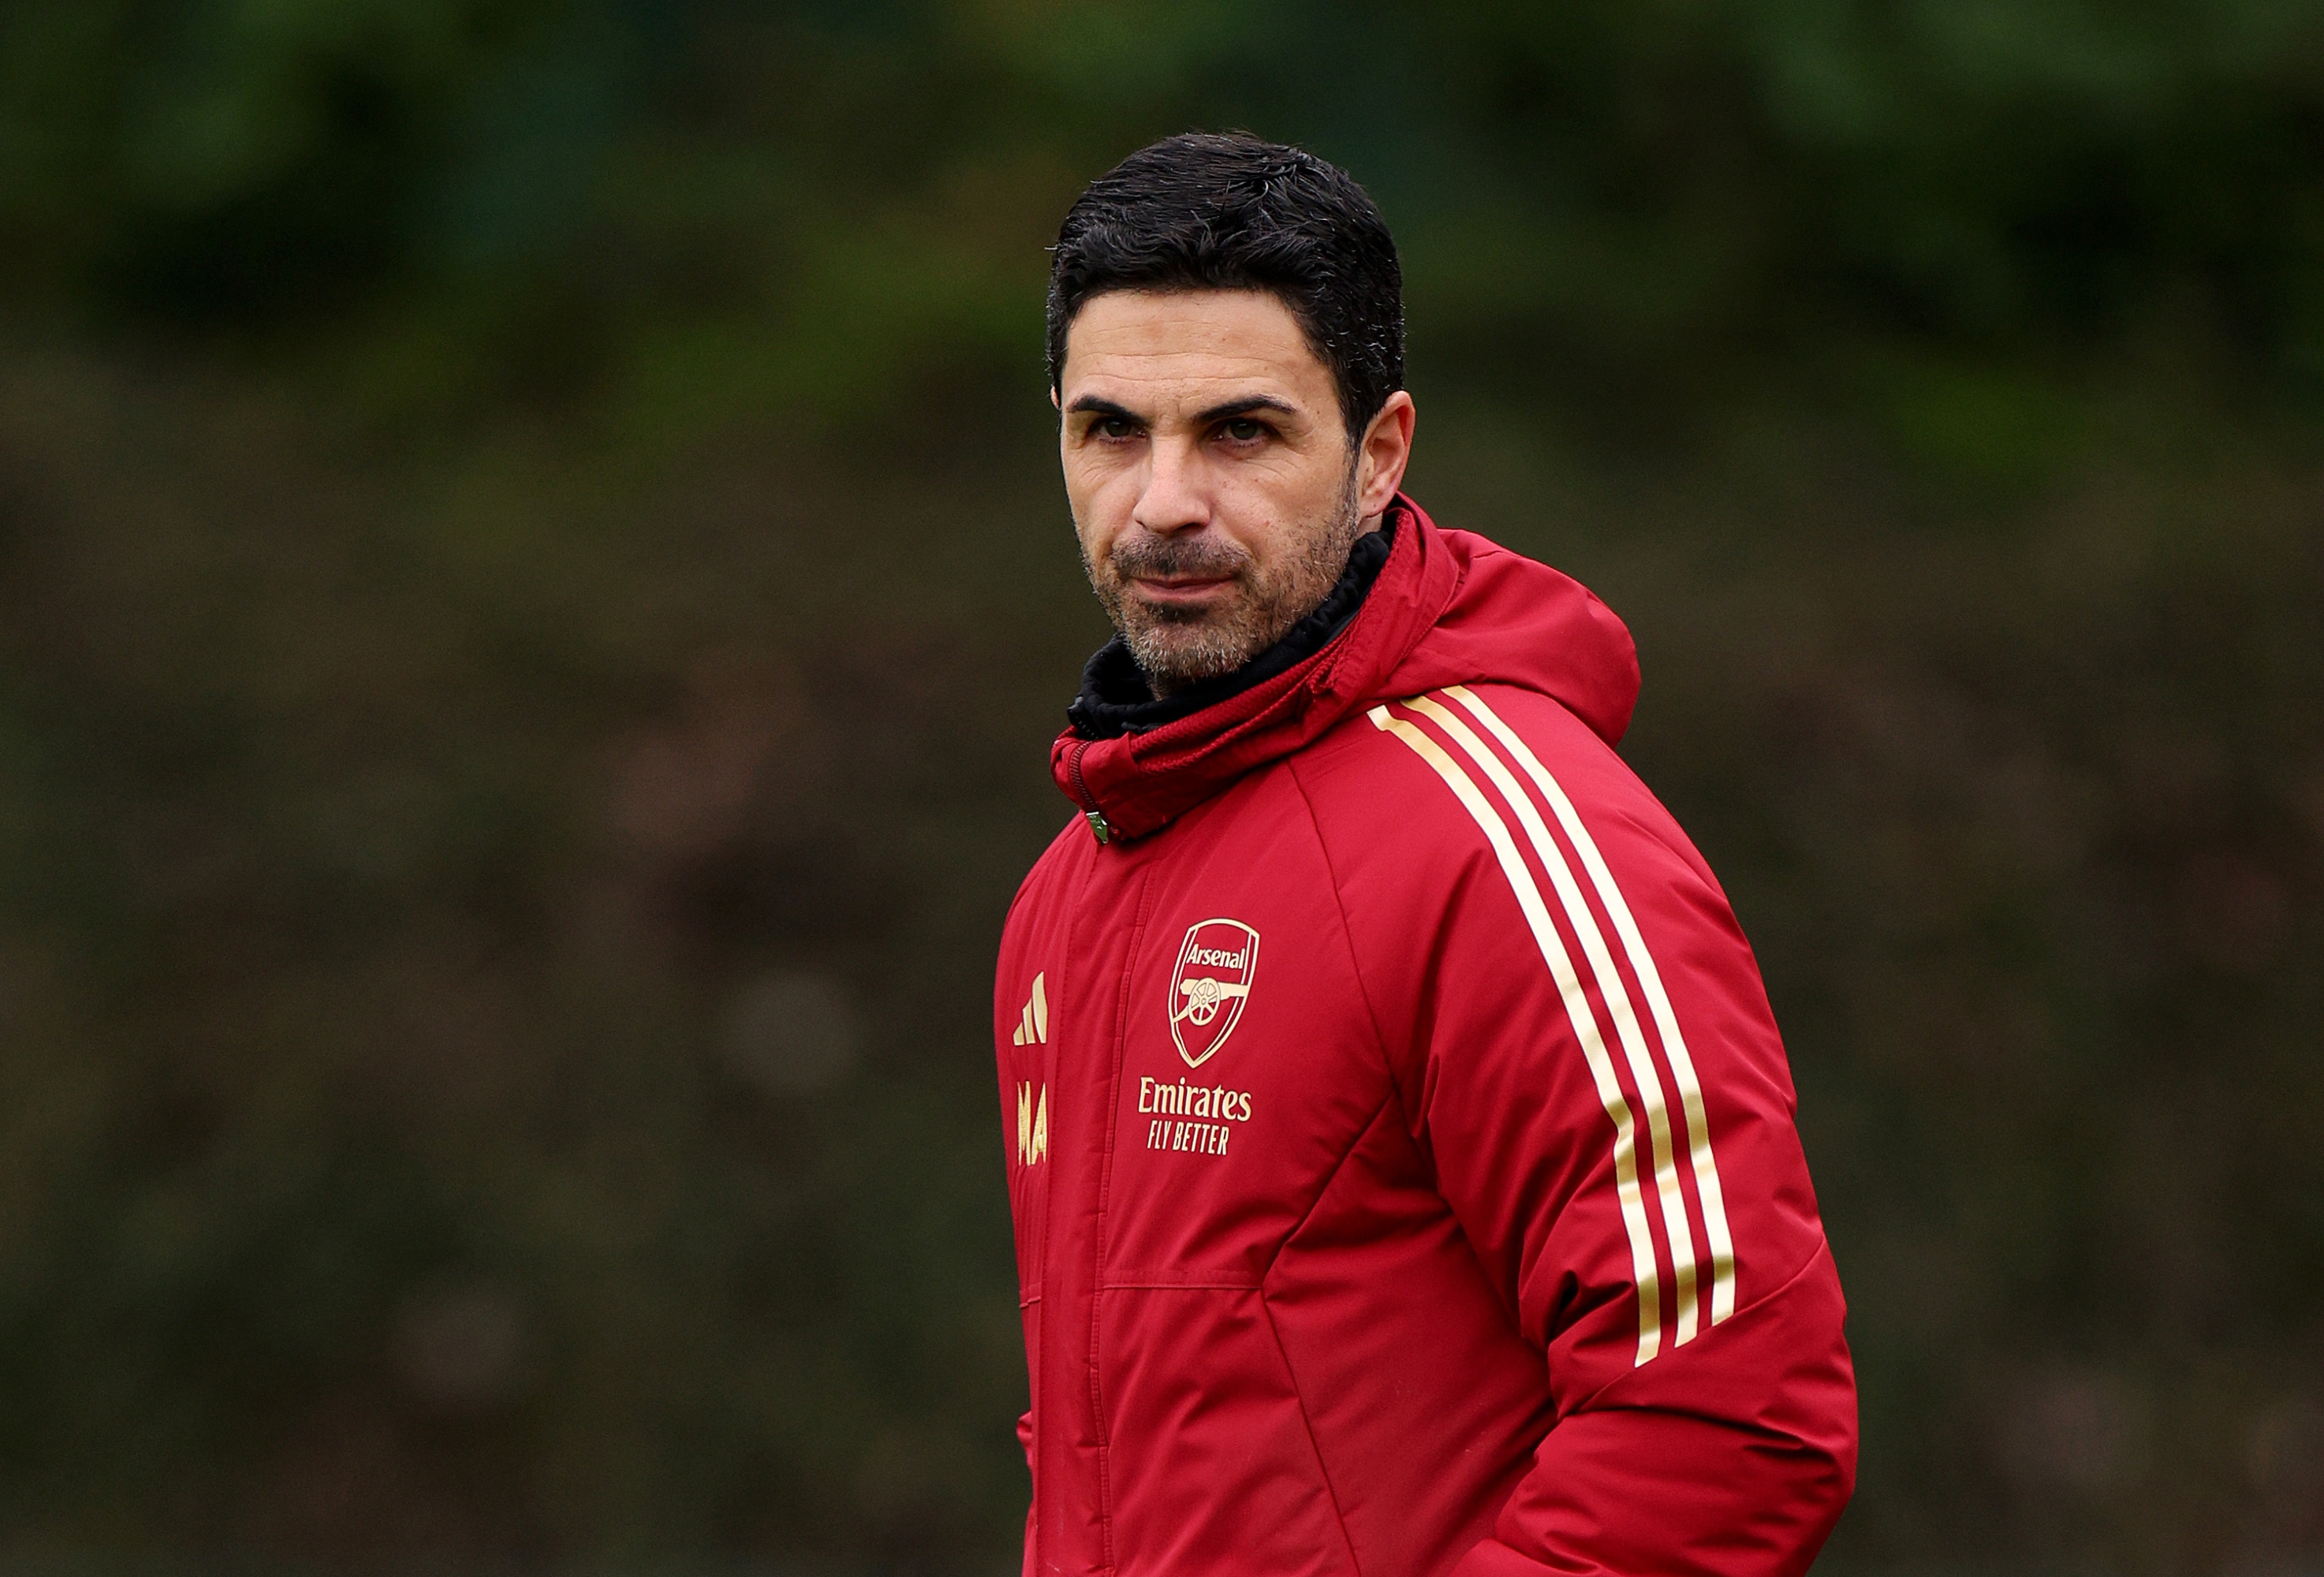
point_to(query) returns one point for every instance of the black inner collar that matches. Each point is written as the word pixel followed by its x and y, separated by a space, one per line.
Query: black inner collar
pixel 1115 699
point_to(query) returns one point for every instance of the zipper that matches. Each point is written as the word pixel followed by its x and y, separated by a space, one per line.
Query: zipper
pixel 1084 799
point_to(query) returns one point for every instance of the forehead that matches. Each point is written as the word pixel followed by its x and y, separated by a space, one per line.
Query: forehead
pixel 1192 339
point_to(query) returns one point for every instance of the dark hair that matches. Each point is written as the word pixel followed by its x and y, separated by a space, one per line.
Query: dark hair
pixel 1229 212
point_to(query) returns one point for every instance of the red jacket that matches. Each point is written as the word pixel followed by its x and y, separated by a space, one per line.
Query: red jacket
pixel 1400 1146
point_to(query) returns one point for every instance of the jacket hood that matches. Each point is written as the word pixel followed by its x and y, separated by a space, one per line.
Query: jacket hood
pixel 1448 608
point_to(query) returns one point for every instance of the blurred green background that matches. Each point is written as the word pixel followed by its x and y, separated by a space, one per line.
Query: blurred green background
pixel 534 593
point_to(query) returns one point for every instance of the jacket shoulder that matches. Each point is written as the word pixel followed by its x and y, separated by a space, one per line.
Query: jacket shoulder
pixel 1400 771
pixel 1458 820
pixel 1058 867
pixel 1038 911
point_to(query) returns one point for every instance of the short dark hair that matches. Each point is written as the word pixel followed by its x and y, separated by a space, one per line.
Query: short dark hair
pixel 1230 212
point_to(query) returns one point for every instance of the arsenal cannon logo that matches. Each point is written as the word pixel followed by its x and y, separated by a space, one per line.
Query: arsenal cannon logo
pixel 1210 986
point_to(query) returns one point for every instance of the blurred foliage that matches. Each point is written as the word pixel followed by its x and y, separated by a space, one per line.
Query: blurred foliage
pixel 532 594
pixel 794 208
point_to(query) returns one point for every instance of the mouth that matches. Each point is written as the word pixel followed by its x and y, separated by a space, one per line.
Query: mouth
pixel 1181 591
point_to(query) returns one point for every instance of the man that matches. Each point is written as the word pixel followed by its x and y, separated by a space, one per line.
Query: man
pixel 1399 1142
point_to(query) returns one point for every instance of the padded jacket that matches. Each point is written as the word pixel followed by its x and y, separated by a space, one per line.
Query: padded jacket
pixel 1399 1142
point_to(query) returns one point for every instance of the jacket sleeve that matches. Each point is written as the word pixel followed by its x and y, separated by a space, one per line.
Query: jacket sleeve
pixel 1586 1055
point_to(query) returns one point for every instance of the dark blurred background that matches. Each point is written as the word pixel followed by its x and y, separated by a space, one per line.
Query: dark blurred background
pixel 534 591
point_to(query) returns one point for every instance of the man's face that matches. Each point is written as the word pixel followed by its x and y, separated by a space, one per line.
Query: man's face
pixel 1212 484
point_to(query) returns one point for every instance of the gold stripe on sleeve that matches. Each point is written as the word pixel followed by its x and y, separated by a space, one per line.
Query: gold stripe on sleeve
pixel 1650 983
pixel 1612 991
pixel 1577 1008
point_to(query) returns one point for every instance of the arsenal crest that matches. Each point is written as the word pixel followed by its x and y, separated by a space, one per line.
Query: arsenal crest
pixel 1210 986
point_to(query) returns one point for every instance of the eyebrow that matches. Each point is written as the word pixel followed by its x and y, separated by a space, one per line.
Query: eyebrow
pixel 1244 407
pixel 1091 405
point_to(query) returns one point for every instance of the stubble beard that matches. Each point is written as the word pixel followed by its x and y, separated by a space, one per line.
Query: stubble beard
pixel 1175 648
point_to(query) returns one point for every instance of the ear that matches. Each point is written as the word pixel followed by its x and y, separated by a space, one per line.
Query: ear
pixel 1382 454
pixel 1054 402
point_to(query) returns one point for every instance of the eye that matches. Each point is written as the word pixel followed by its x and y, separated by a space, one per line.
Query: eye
pixel 1115 427
pixel 1244 430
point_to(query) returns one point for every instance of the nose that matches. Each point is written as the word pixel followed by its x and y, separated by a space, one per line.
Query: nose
pixel 1176 497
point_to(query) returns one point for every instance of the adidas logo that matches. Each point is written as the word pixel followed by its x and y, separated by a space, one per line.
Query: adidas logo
pixel 1033 1030
pixel 1032 1115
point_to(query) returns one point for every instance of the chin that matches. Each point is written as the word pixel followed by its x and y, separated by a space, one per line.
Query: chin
pixel 1178 653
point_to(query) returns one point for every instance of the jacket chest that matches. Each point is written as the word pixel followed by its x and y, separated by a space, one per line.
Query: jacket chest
pixel 1198 1056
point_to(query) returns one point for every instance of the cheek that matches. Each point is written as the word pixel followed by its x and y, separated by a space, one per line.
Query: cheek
pixel 1101 495
pixel 1294 484
pixel 1276 506
pixel 1098 517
